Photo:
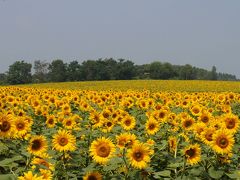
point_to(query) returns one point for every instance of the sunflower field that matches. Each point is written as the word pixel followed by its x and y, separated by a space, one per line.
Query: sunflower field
pixel 120 130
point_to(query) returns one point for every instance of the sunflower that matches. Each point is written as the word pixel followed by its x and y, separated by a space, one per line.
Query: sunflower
pixel 51 121
pixel 46 174
pixel 102 150
pixel 125 140
pixel 22 126
pixel 64 141
pixel 231 122
pixel 30 176
pixel 69 123
pixel 143 104
pixel 6 126
pixel 92 176
pixel 66 109
pixel 205 117
pixel 206 135
pixel 187 123
pixel 128 122
pixel 42 162
pixel 37 145
pixel 222 142
pixel 139 155
pixel 107 125
pixel 193 154
pixel 161 115
pixel 196 110
pixel 172 143
pixel 199 128
pixel 95 119
pixel 152 126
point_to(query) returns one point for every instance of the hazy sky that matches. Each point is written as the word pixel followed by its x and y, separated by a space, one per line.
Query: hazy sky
pixel 203 33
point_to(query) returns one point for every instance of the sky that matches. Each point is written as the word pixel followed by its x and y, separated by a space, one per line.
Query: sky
pixel 201 33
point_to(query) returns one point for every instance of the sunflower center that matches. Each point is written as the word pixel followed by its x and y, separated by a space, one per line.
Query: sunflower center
pixel 105 115
pixel 208 136
pixel 36 145
pixel 122 142
pixel 92 177
pixel 128 122
pixel 187 123
pixel 20 126
pixel 69 123
pixel 63 141
pixel 151 126
pixel 109 124
pixel 222 142
pixel 190 152
pixel 196 111
pixel 103 150
pixel 161 115
pixel 230 124
pixel 138 156
pixel 205 119
pixel 5 126
pixel 143 104
pixel 50 121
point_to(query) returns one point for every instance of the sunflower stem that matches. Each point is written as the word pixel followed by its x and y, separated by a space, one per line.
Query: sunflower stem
pixel 175 155
pixel 125 162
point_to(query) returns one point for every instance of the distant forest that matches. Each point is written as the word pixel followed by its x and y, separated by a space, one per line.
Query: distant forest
pixel 41 71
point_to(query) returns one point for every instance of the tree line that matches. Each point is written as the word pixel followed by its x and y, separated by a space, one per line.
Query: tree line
pixel 20 72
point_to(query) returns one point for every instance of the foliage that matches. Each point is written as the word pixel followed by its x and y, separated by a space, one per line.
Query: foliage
pixel 60 133
pixel 107 69
pixel 19 73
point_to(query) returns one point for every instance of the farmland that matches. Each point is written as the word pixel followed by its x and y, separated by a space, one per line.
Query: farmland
pixel 120 130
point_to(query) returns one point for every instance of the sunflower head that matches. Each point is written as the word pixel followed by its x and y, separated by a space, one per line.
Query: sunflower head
pixel 139 155
pixel 223 141
pixel 152 126
pixel 193 154
pixel 64 141
pixel 92 176
pixel 102 150
pixel 6 126
pixel 37 145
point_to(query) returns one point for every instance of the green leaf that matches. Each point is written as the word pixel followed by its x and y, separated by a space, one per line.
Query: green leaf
pixel 175 165
pixel 215 174
pixel 165 173
pixel 7 177
pixel 234 175
pixel 8 161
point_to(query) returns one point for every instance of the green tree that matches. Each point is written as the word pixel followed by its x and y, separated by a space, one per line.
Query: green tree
pixel 41 71
pixel 74 71
pixel 155 70
pixel 89 70
pixel 187 72
pixel 214 73
pixel 125 69
pixel 3 78
pixel 57 71
pixel 19 73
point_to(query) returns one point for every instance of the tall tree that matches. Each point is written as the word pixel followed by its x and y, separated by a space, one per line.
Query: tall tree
pixel 214 73
pixel 57 71
pixel 187 72
pixel 74 71
pixel 155 70
pixel 41 70
pixel 125 69
pixel 19 73
pixel 3 78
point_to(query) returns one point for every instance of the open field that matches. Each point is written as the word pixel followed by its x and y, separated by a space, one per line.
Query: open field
pixel 120 130
pixel 152 85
